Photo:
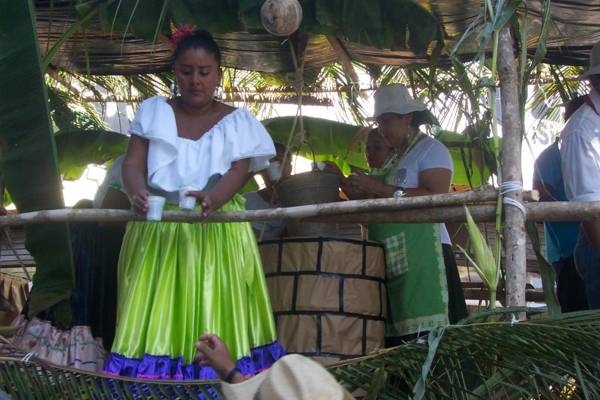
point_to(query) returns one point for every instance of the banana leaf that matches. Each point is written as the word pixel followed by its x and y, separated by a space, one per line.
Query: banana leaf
pixel 344 144
pixel 77 149
pixel 28 158
pixel 391 24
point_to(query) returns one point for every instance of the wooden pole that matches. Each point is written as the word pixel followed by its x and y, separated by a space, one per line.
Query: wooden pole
pixel 549 211
pixel 389 204
pixel 514 219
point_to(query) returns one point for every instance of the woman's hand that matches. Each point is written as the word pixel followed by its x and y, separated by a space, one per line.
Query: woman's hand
pixel 139 201
pixel 366 184
pixel 212 351
pixel 332 168
pixel 205 200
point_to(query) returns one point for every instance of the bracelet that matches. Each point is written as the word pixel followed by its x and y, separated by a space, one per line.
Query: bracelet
pixel 399 192
pixel 231 374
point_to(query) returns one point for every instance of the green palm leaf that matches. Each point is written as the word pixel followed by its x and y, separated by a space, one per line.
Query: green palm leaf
pixel 28 159
pixel 535 359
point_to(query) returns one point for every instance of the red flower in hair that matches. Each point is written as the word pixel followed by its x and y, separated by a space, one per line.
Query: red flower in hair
pixel 180 33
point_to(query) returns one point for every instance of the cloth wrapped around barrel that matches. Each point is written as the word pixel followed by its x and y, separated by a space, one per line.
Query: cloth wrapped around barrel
pixel 328 295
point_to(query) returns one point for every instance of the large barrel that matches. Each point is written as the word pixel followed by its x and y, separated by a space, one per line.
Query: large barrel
pixel 328 295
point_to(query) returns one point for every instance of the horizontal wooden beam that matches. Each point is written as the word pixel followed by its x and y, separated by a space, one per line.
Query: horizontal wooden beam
pixel 359 211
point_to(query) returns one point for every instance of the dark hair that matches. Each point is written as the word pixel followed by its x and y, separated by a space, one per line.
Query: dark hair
pixel 374 132
pixel 573 105
pixel 280 147
pixel 422 117
pixel 200 39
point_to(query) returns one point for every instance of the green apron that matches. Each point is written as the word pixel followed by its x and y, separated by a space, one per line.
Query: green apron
pixel 416 277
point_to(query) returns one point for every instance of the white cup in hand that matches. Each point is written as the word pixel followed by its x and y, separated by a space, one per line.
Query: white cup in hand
pixel 274 171
pixel 187 202
pixel 155 208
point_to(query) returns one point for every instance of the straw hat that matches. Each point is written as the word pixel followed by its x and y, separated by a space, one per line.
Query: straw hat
pixel 395 99
pixel 594 63
pixel 291 377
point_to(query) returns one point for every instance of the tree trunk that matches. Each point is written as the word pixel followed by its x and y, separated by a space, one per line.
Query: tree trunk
pixel 514 219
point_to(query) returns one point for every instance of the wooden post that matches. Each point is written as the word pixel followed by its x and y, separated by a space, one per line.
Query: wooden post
pixel 512 128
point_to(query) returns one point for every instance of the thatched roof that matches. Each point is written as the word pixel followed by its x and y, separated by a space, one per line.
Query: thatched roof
pixel 385 32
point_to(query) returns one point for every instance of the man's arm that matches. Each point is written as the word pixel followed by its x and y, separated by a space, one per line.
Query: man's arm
pixel 592 229
pixel 214 352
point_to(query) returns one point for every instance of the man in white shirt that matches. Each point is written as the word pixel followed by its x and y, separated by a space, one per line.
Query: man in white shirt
pixel 580 162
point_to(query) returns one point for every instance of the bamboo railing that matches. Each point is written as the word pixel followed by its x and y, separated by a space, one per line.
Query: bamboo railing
pixel 422 209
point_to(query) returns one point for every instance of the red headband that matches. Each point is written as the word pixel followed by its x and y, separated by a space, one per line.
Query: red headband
pixel 180 33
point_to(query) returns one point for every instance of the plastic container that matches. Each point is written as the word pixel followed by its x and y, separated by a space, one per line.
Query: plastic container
pixel 155 208
pixel 187 202
pixel 274 171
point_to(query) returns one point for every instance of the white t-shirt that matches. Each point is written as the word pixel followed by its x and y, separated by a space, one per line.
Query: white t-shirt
pixel 428 153
pixel 111 180
pixel 264 230
pixel 580 153
pixel 174 161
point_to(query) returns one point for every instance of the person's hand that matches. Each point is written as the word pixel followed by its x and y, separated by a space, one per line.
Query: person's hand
pixel 139 201
pixel 332 168
pixel 352 193
pixel 205 201
pixel 364 183
pixel 211 350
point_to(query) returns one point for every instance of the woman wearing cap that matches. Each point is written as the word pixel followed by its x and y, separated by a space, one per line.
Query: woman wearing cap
pixel 424 289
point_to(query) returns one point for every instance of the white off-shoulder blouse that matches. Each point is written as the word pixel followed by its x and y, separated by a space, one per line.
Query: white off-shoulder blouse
pixel 174 161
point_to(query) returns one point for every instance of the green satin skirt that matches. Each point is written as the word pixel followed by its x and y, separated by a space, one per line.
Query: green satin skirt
pixel 177 281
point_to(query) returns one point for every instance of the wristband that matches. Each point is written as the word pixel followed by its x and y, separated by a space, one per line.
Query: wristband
pixel 231 374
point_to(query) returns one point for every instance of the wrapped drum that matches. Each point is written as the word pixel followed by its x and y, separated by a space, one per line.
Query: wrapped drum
pixel 328 295
pixel 315 187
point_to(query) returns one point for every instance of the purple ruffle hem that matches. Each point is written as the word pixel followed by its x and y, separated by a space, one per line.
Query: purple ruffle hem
pixel 165 367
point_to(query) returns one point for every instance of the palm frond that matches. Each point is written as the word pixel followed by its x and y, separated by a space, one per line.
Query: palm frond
pixel 536 359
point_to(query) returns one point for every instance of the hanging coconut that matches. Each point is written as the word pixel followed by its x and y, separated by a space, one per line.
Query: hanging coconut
pixel 281 17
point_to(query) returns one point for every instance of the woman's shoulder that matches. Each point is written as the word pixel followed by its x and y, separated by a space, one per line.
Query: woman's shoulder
pixel 242 118
pixel 429 151
pixel 153 101
pixel 428 144
pixel 240 112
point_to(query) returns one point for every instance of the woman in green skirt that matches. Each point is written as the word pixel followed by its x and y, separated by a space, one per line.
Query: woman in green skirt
pixel 178 281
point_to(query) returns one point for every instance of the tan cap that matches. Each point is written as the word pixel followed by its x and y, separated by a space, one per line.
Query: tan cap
pixel 291 377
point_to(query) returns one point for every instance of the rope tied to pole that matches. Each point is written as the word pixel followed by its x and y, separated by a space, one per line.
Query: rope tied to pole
pixel 512 186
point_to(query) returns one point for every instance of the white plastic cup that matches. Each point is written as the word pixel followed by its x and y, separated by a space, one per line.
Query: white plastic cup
pixel 274 171
pixel 155 208
pixel 319 165
pixel 187 202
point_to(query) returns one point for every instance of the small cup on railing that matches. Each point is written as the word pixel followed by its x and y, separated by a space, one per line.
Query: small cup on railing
pixel 187 202
pixel 155 208
pixel 274 171
pixel 318 165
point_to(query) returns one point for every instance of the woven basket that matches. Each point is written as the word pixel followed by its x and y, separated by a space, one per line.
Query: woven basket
pixel 314 187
